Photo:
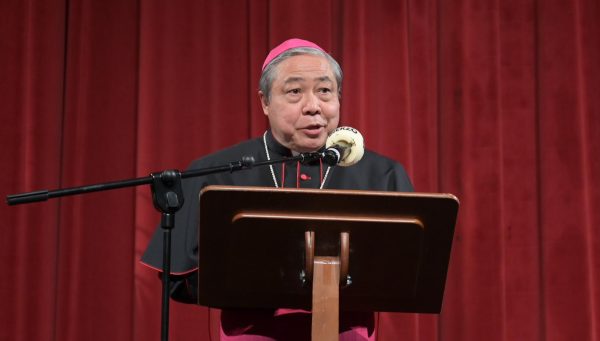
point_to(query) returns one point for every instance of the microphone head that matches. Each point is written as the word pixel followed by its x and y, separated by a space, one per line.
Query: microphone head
pixel 351 141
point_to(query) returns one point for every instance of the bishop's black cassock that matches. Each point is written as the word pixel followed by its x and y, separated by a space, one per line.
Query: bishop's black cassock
pixel 373 172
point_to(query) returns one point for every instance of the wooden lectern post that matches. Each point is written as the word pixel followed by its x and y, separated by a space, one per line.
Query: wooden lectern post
pixel 325 250
pixel 325 299
pixel 328 275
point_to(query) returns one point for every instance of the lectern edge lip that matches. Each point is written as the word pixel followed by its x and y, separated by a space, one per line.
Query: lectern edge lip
pixel 336 218
pixel 313 190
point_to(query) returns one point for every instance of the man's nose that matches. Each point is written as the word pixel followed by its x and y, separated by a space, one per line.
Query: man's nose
pixel 312 105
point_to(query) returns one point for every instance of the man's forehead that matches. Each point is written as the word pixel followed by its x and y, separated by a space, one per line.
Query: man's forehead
pixel 294 78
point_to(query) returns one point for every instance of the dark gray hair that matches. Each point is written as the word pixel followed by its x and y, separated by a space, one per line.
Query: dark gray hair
pixel 269 73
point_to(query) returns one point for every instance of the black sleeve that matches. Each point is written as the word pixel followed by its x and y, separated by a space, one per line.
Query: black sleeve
pixel 184 236
pixel 184 288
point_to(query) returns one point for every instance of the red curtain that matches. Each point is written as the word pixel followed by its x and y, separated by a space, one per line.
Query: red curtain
pixel 494 101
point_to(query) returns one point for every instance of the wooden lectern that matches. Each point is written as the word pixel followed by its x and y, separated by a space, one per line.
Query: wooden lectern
pixel 324 250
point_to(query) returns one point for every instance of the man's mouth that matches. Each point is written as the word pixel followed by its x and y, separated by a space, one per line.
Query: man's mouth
pixel 313 130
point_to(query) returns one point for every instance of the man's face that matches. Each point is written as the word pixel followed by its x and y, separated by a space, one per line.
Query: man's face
pixel 304 106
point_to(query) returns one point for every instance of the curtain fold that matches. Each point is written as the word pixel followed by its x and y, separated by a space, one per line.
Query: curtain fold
pixel 494 101
pixel 31 86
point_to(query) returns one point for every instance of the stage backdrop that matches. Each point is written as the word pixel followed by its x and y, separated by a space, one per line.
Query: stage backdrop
pixel 494 101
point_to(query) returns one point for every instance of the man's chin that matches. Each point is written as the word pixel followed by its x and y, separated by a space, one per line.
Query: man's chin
pixel 310 145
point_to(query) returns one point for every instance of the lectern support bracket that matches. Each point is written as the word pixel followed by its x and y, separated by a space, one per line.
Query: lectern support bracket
pixel 309 242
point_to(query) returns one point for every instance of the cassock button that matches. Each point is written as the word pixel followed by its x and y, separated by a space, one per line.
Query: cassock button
pixel 304 177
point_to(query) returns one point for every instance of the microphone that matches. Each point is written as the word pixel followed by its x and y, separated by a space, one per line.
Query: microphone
pixel 344 147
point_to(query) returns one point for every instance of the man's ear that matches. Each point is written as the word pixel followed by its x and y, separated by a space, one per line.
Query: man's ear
pixel 264 102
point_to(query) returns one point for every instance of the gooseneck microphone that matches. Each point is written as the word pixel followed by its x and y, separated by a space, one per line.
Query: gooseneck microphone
pixel 345 146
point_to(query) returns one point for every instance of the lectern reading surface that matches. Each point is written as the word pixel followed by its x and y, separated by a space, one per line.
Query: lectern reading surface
pixel 252 247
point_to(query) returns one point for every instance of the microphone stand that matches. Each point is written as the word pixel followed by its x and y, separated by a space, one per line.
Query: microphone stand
pixel 167 196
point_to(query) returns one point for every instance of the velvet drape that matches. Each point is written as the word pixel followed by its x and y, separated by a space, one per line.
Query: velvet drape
pixel 496 101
